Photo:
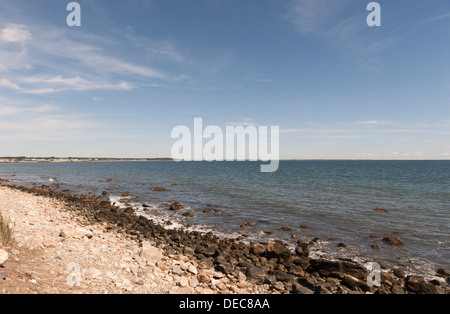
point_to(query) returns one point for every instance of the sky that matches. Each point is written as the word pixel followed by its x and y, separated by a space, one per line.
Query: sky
pixel 118 85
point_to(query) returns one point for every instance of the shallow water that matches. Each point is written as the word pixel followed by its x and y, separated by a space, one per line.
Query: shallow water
pixel 334 198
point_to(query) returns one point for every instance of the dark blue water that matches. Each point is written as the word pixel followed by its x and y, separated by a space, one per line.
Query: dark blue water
pixel 334 198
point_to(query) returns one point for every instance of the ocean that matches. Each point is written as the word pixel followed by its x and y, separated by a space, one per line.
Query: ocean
pixel 330 200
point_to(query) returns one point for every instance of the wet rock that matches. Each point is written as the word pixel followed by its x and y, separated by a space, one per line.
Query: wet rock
pixel 302 262
pixel 399 273
pixel 342 245
pixel 126 194
pixel 354 283
pixel 277 249
pixel 418 285
pixel 304 226
pixel 159 189
pixel 338 268
pixel 302 249
pixel 442 273
pixel 188 215
pixel 375 246
pixel 209 209
pixel 248 224
pixel 393 240
pixel 286 229
pixel 176 206
pixel 380 210
pixel 104 193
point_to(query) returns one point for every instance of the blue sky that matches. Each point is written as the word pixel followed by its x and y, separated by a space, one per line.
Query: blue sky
pixel 135 69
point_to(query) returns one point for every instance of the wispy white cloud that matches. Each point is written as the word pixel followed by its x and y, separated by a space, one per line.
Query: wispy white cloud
pixel 15 33
pixel 373 123
pixel 313 16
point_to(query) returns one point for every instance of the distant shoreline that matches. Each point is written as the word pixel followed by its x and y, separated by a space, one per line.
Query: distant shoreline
pixel 22 159
pixel 77 159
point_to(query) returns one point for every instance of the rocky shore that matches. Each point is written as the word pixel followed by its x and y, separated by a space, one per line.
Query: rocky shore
pixel 69 243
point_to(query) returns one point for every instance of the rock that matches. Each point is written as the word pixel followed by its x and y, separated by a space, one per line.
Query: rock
pixel 302 249
pixel 308 282
pixel 304 226
pixel 150 254
pixel 104 193
pixel 342 245
pixel 442 273
pixel 286 229
pixel 277 249
pixel 338 268
pixel 193 270
pixel 257 249
pixel 188 215
pixel 393 240
pixel 77 232
pixel 93 273
pixel 176 206
pixel 183 282
pixel 302 261
pixel 354 283
pixel 299 289
pixel 3 257
pixel 209 209
pixel 258 273
pixel 399 273
pixel 49 244
pixel 3 275
pixel 375 246
pixel 126 194
pixel 159 189
pixel 176 270
pixel 204 278
pixel 380 210
pixel 282 276
pixel 418 285
pixel 194 282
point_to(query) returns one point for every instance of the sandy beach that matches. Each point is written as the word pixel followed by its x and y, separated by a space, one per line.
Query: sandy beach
pixel 78 244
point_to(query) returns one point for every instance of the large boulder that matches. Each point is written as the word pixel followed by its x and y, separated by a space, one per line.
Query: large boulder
pixel 328 268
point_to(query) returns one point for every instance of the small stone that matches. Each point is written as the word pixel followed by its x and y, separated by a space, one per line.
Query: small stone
pixel 194 282
pixel 3 257
pixel 183 282
pixel 93 273
pixel 176 270
pixel 193 270
pixel 49 244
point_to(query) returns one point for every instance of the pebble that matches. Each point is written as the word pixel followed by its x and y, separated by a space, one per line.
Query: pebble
pixel 4 256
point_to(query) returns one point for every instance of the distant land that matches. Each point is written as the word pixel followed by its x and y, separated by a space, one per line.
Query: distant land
pixel 75 159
